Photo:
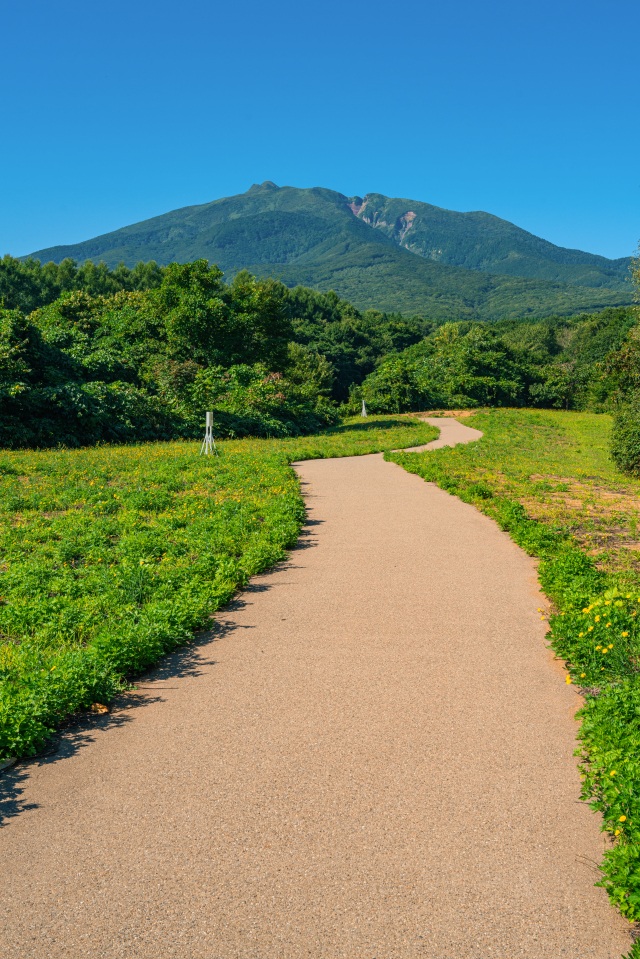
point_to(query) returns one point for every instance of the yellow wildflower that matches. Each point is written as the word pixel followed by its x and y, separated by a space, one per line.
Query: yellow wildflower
pixel 622 819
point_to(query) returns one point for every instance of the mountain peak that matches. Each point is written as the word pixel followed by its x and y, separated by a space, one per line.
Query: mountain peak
pixel 265 185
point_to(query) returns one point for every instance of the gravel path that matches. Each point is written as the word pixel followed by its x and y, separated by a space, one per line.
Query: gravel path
pixel 371 758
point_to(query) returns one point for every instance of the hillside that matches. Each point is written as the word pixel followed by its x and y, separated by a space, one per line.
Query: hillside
pixel 389 253
pixel 393 280
pixel 481 241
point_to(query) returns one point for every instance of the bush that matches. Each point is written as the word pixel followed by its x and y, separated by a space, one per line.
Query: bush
pixel 456 366
pixel 625 438
pixel 81 414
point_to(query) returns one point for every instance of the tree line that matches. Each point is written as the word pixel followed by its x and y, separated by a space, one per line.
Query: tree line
pixel 577 363
pixel 89 354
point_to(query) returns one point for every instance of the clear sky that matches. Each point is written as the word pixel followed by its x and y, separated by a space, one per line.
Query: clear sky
pixel 115 112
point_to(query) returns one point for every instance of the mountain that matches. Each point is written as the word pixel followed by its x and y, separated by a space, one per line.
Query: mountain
pixel 393 254
pixel 481 241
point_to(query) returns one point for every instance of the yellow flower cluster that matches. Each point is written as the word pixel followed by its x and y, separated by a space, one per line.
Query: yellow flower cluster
pixel 597 610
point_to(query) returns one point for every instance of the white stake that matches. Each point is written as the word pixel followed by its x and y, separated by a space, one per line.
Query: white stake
pixel 364 410
pixel 208 443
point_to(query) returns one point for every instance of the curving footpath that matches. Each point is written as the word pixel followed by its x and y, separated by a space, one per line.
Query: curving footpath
pixel 370 758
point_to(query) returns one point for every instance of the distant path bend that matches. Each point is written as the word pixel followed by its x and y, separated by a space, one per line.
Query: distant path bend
pixel 370 759
pixel 452 433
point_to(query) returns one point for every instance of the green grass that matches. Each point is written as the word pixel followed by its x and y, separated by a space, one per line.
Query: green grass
pixel 112 556
pixel 547 479
pixel 557 466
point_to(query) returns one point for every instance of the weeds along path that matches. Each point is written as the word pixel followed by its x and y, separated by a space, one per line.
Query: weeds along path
pixel 371 756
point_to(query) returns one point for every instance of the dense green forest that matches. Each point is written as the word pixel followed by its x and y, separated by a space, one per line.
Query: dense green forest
pixel 89 354
pixel 26 285
pixel 377 252
pixel 583 362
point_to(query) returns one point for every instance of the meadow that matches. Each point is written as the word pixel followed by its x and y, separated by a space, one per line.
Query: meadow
pixel 112 556
pixel 547 478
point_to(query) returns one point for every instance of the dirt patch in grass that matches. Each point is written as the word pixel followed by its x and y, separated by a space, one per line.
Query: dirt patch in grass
pixel 457 414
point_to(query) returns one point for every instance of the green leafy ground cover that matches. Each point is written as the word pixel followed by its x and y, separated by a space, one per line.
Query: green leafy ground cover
pixel 547 478
pixel 112 556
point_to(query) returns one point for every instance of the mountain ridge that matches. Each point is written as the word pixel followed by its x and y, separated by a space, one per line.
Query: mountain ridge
pixel 405 223
pixel 393 253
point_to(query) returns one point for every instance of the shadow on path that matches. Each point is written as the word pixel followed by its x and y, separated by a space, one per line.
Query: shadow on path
pixel 78 733
pixel 79 730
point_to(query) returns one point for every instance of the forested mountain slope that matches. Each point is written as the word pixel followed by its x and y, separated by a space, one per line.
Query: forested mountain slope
pixel 389 254
pixel 481 241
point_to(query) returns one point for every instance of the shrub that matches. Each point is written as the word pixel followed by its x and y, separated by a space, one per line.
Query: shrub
pixel 625 438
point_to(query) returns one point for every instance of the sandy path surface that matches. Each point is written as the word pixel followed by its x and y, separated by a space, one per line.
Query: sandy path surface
pixel 452 433
pixel 371 758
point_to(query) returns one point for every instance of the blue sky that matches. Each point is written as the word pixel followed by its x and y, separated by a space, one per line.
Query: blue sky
pixel 116 112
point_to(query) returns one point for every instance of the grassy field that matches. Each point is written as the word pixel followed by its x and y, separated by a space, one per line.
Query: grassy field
pixel 557 465
pixel 112 556
pixel 547 479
